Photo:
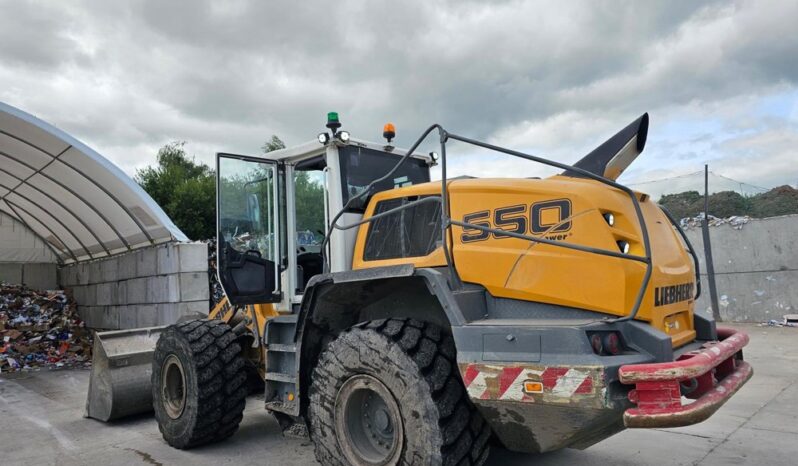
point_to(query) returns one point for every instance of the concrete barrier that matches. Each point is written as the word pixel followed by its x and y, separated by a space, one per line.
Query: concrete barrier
pixel 756 269
pixel 147 287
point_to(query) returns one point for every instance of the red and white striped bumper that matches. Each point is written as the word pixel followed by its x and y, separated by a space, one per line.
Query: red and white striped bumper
pixel 712 375
pixel 581 385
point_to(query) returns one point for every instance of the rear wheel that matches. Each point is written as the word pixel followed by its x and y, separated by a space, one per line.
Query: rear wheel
pixel 198 383
pixel 388 392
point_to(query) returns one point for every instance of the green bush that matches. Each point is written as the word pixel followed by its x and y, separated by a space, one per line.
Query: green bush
pixel 185 190
pixel 782 200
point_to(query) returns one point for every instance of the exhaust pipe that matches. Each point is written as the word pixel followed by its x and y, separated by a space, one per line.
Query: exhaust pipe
pixel 121 369
pixel 615 155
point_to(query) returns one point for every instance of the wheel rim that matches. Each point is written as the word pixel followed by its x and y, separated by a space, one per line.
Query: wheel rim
pixel 173 386
pixel 368 422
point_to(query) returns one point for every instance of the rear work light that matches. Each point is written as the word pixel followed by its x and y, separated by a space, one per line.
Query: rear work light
pixel 596 343
pixel 612 343
pixel 605 343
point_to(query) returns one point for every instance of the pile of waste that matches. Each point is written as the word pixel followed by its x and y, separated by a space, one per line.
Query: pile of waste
pixel 736 221
pixel 789 320
pixel 40 329
pixel 217 293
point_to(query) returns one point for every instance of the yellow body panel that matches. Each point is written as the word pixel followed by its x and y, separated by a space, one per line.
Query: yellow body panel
pixel 258 314
pixel 518 269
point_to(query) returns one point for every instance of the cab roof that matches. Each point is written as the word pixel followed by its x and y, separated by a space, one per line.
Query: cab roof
pixel 314 148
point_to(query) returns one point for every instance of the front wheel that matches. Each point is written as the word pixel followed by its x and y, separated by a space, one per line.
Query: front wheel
pixel 198 383
pixel 388 392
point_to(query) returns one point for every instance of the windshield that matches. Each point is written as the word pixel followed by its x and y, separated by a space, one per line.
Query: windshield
pixel 360 166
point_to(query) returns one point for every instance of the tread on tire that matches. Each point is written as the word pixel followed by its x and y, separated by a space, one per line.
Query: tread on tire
pixel 215 382
pixel 416 361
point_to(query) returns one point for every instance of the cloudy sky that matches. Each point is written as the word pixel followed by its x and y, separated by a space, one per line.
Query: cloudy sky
pixel 719 79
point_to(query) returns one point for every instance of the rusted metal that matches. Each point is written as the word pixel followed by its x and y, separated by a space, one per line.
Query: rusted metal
pixel 694 412
pixel 710 375
pixel 689 365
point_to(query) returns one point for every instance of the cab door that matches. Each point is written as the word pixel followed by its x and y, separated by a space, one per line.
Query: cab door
pixel 248 228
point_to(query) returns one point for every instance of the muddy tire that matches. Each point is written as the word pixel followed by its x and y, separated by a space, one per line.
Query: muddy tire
pixel 389 392
pixel 199 383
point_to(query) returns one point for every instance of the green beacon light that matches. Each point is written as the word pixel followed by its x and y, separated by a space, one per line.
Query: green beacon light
pixel 333 122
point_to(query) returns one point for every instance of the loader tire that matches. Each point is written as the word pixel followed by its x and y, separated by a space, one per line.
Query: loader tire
pixel 389 392
pixel 199 383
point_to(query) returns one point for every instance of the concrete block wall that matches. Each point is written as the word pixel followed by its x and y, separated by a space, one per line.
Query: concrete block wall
pixel 756 269
pixel 144 288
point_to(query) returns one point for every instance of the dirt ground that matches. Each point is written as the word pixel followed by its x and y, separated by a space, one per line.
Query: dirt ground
pixel 41 423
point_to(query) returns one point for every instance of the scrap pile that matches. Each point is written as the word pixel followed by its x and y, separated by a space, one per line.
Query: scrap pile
pixel 40 329
pixel 217 293
pixel 736 221
pixel 790 320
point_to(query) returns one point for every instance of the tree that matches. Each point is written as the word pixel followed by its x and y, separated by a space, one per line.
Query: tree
pixel 682 205
pixel 184 188
pixel 309 203
pixel 186 191
pixel 308 191
pixel 725 204
pixel 272 144
pixel 781 200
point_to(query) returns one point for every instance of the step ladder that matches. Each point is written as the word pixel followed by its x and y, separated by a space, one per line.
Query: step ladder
pixel 282 365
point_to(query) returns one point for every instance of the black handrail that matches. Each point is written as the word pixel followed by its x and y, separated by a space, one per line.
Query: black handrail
pixel 689 249
pixel 364 192
pixel 447 222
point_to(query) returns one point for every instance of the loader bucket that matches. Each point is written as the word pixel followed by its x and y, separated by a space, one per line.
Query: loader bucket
pixel 120 384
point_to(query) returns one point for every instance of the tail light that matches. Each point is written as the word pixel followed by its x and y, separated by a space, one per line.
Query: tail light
pixel 612 343
pixel 596 343
pixel 606 343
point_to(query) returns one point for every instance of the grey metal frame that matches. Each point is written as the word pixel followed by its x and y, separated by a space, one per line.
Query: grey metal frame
pixel 72 192
pixel 689 249
pixel 57 220
pixel 290 229
pixel 15 215
pixel 15 206
pixel 79 172
pixel 115 187
pixel 61 205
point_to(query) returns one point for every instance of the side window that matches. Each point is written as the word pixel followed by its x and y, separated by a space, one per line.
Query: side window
pixel 310 224
pixel 309 195
pixel 246 207
pixel 412 232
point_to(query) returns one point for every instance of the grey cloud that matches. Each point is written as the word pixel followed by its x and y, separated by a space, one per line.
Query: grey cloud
pixel 229 74
pixel 31 36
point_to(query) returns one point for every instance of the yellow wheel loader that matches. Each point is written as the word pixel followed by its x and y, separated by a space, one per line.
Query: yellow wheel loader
pixel 397 320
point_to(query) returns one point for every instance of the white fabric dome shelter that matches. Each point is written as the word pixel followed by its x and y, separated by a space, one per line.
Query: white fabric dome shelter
pixel 82 205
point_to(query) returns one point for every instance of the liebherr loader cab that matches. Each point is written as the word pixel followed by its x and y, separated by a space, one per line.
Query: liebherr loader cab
pixel 273 213
pixel 406 321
